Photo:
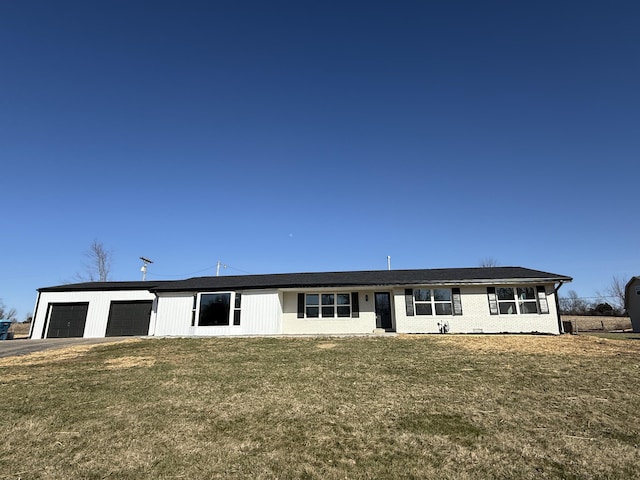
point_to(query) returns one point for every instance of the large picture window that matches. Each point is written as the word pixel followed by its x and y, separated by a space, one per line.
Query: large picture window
pixel 215 309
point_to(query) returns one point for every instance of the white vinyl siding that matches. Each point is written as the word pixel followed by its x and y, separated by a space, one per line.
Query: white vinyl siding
pixel 97 312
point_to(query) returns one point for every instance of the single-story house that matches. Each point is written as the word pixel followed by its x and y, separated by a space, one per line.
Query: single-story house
pixel 456 300
pixel 632 302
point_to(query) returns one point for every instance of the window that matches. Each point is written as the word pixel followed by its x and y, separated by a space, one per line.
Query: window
pixel 439 300
pixel 517 300
pixel 422 299
pixel 214 309
pixel 527 302
pixel 328 305
pixel 506 301
pixel 312 309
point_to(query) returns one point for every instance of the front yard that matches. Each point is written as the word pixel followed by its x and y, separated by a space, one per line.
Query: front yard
pixel 438 406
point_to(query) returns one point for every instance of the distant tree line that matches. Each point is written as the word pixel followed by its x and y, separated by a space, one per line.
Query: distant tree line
pixel 602 305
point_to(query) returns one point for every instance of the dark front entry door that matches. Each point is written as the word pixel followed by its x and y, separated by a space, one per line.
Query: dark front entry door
pixel 383 310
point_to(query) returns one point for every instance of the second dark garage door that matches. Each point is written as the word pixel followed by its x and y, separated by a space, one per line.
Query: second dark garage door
pixel 129 318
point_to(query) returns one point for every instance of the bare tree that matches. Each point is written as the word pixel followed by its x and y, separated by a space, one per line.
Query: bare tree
pixel 574 305
pixel 488 262
pixel 98 266
pixel 7 313
pixel 614 293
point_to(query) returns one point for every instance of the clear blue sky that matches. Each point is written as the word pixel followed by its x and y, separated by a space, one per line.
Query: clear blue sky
pixel 318 135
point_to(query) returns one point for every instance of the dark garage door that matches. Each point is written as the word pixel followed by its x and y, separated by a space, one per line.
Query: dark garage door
pixel 67 320
pixel 129 318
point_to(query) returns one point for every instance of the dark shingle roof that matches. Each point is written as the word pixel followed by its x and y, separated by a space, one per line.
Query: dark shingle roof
pixel 438 276
pixel 93 286
pixel 363 278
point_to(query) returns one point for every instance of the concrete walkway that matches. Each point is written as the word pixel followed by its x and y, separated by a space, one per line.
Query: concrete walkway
pixel 12 348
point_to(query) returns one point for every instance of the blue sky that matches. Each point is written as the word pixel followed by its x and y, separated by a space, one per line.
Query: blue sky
pixel 315 136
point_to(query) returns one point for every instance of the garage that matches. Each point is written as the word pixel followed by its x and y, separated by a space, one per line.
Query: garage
pixel 129 318
pixel 67 320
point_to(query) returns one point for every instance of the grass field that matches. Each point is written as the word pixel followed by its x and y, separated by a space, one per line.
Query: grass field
pixel 450 407
pixel 586 323
pixel 20 330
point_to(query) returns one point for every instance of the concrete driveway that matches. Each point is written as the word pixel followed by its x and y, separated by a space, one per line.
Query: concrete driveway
pixel 12 348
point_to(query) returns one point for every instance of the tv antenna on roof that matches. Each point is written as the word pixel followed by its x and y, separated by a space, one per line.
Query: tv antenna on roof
pixel 145 262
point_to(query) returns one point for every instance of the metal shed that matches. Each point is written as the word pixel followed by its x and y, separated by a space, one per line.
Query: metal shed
pixel 632 302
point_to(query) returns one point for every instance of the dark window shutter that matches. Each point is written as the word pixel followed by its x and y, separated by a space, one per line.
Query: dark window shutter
pixel 457 301
pixel 193 310
pixel 542 299
pixel 493 301
pixel 301 305
pixel 408 300
pixel 355 305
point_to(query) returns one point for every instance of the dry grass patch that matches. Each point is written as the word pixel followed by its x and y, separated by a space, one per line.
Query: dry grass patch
pixel 566 345
pixel 129 362
pixel 20 330
pixel 47 356
pixel 582 323
pixel 54 355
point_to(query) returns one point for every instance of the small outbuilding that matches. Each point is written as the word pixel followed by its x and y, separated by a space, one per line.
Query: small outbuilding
pixel 632 302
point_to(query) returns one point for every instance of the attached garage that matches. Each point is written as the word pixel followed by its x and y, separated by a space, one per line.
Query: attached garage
pixel 67 320
pixel 94 310
pixel 129 318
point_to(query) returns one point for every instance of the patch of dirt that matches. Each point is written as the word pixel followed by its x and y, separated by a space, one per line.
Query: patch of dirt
pixel 53 355
pixel 539 344
pixel 46 356
pixel 129 362
pixel 326 346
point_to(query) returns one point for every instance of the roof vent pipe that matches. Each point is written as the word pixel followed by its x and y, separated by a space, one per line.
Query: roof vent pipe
pixel 388 262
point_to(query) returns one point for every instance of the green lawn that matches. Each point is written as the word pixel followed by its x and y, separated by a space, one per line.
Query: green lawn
pixel 451 407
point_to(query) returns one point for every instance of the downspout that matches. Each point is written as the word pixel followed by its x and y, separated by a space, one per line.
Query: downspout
pixel 555 293
pixel 154 313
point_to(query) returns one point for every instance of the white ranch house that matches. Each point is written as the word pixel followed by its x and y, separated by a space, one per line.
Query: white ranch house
pixel 455 300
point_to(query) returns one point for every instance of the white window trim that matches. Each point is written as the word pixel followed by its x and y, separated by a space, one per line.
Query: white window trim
pixel 335 306
pixel 232 309
pixel 517 300
pixel 433 302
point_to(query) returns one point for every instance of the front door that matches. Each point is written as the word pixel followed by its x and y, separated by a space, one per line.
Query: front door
pixel 383 310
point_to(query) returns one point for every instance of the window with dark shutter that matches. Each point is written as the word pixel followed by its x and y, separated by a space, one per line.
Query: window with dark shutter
pixel 493 301
pixel 355 305
pixel 457 301
pixel 408 300
pixel 542 299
